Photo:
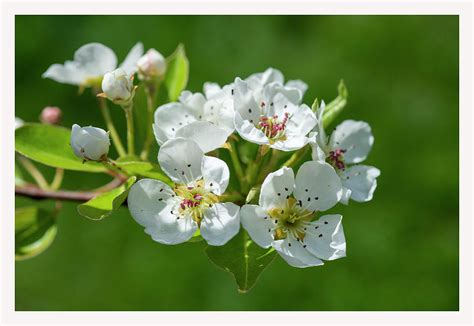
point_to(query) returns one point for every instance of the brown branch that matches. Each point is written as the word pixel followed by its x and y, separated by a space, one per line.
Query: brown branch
pixel 35 192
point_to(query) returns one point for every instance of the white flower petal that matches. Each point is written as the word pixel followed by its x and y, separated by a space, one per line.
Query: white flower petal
pixel 346 195
pixel 181 160
pixel 248 131
pixel 169 118
pixel 293 253
pixel 361 180
pixel 259 80
pixel 69 73
pixel 215 173
pixel 130 62
pixel 301 122
pixel 170 229
pixel 299 85
pixel 147 199
pixel 221 223
pixel 325 238
pixel 277 94
pixel 317 186
pixel 194 102
pixel 95 59
pixel 317 153
pixel 221 113
pixel 276 187
pixel 244 103
pixel 89 143
pixel 258 224
pixel 151 204
pixel 291 143
pixel 207 135
pixel 355 137
pixel 211 89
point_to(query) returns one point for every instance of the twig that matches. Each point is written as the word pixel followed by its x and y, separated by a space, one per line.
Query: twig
pixel 35 192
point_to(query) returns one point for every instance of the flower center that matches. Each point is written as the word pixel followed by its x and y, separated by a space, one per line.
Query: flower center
pixel 336 159
pixel 273 127
pixel 195 199
pixel 292 219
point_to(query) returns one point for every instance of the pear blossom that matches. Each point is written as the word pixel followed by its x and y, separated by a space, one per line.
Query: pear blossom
pixel 118 86
pixel 209 121
pixel 151 65
pixel 285 216
pixel 274 120
pixel 292 89
pixel 91 61
pixel 348 145
pixel 90 143
pixel 172 215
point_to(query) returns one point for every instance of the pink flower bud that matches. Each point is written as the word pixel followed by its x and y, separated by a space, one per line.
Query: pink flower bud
pixel 51 115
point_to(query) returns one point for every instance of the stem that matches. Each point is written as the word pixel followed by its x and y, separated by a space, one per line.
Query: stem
pixel 104 108
pixel 130 129
pixel 58 179
pixel 150 94
pixel 34 172
pixel 236 161
pixel 35 192
pixel 269 167
pixel 115 170
pixel 233 197
pixel 254 167
pixel 296 157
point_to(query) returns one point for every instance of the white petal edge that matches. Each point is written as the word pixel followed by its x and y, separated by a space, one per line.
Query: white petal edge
pixel 215 174
pixel 221 223
pixel 181 160
pixel 258 224
pixel 276 187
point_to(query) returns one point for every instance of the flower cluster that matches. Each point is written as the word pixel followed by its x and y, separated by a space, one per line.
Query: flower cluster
pixel 194 135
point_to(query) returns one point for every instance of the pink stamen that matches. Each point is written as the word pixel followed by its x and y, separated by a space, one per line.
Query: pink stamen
pixel 336 158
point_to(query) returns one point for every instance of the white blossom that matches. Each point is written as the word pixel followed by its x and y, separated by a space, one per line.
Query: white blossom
pixel 285 216
pixel 172 215
pixel 349 144
pixel 273 119
pixel 90 143
pixel 91 61
pixel 151 65
pixel 118 86
pixel 208 120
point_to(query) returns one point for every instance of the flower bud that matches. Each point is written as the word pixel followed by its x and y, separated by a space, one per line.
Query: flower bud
pixel 151 66
pixel 51 115
pixel 118 86
pixel 90 143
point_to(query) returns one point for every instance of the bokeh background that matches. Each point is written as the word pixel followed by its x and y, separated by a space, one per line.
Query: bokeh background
pixel 402 76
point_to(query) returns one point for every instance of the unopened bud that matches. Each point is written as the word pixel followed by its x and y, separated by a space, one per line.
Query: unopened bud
pixel 151 66
pixel 90 143
pixel 118 86
pixel 51 115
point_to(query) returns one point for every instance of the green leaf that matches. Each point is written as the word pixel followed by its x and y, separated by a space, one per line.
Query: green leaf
pixel 35 230
pixel 177 73
pixel 335 107
pixel 243 258
pixel 144 169
pixel 50 145
pixel 103 205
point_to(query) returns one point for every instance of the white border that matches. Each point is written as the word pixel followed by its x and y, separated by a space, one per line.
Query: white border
pixel 372 7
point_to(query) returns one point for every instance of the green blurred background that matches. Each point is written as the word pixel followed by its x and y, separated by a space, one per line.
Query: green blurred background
pixel 402 76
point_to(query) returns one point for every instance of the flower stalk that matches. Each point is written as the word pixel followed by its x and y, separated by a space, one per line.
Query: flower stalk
pixel 104 109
